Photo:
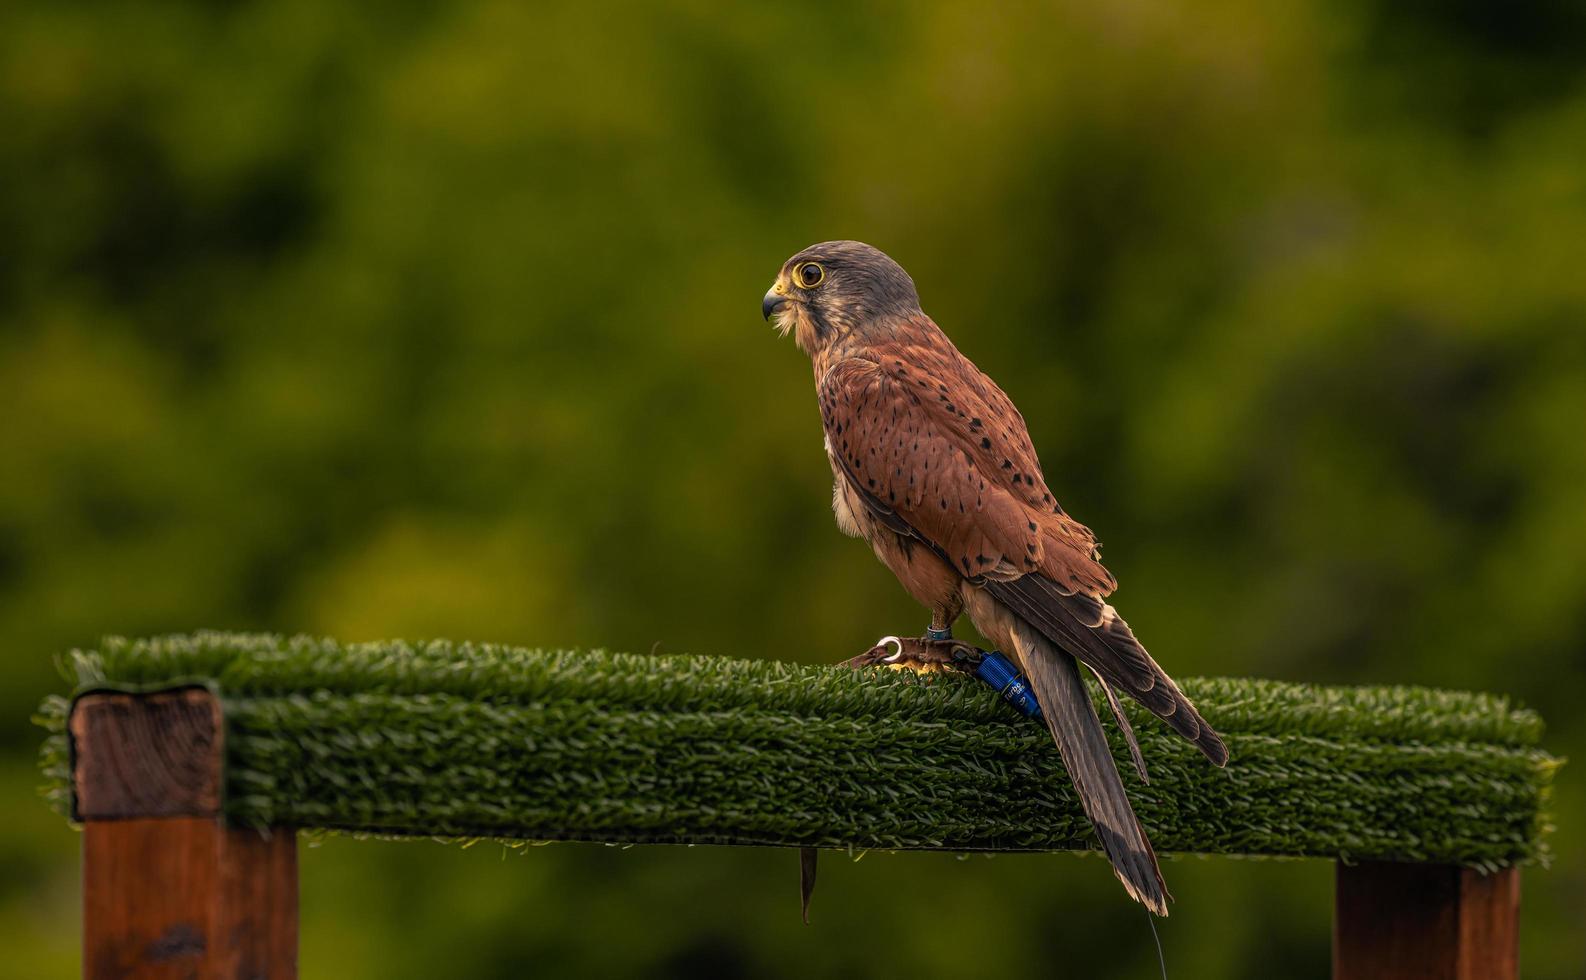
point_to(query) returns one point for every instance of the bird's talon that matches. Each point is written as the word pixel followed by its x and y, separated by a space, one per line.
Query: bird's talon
pixel 916 653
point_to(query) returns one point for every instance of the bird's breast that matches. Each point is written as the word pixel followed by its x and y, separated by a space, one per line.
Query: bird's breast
pixel 846 506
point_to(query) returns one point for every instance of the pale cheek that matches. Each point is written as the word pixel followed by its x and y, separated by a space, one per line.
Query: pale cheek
pixel 806 336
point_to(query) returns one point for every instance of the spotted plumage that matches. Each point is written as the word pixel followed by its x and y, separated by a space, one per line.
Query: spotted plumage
pixel 932 466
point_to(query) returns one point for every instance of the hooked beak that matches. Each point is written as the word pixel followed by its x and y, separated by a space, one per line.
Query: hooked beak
pixel 772 303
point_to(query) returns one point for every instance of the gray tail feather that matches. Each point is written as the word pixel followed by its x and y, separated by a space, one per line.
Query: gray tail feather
pixel 1123 726
pixel 1093 631
pixel 1083 745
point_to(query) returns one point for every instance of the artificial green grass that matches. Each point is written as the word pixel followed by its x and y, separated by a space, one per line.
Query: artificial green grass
pixel 473 740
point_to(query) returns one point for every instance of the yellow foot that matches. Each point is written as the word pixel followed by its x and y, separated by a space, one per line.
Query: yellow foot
pixel 915 653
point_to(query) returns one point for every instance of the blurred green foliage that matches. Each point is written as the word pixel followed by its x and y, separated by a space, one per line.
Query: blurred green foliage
pixel 404 320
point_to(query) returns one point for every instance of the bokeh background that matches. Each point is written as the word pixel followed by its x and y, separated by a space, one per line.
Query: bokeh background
pixel 379 320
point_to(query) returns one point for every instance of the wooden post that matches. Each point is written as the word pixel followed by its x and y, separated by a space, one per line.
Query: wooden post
pixel 1425 922
pixel 168 889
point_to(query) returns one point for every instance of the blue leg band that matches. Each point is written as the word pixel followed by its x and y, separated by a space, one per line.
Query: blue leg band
pixel 1001 674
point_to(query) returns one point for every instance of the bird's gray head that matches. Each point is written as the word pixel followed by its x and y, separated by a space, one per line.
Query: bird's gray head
pixel 833 289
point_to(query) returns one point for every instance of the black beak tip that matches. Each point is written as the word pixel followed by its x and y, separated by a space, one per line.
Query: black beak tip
pixel 771 304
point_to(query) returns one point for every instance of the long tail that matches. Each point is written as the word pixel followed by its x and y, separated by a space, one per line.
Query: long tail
pixel 1078 732
pixel 1094 632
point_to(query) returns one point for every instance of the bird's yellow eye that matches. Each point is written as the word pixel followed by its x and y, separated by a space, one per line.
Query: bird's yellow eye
pixel 809 275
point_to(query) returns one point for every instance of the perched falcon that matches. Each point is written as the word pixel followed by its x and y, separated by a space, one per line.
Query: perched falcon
pixel 934 468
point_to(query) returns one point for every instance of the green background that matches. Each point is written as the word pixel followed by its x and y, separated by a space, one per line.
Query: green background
pixel 400 320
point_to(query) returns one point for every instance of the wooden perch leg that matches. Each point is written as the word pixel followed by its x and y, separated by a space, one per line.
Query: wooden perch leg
pixel 185 896
pixel 1425 922
pixel 168 889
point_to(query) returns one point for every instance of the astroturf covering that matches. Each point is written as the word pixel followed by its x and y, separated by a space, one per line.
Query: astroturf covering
pixel 475 740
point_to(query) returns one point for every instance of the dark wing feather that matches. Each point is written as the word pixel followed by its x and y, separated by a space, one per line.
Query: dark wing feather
pixel 1107 645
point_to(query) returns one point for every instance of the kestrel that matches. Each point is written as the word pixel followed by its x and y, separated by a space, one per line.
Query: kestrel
pixel 933 467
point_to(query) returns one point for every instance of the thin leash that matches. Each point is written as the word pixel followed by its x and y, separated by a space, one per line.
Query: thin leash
pixel 1160 959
